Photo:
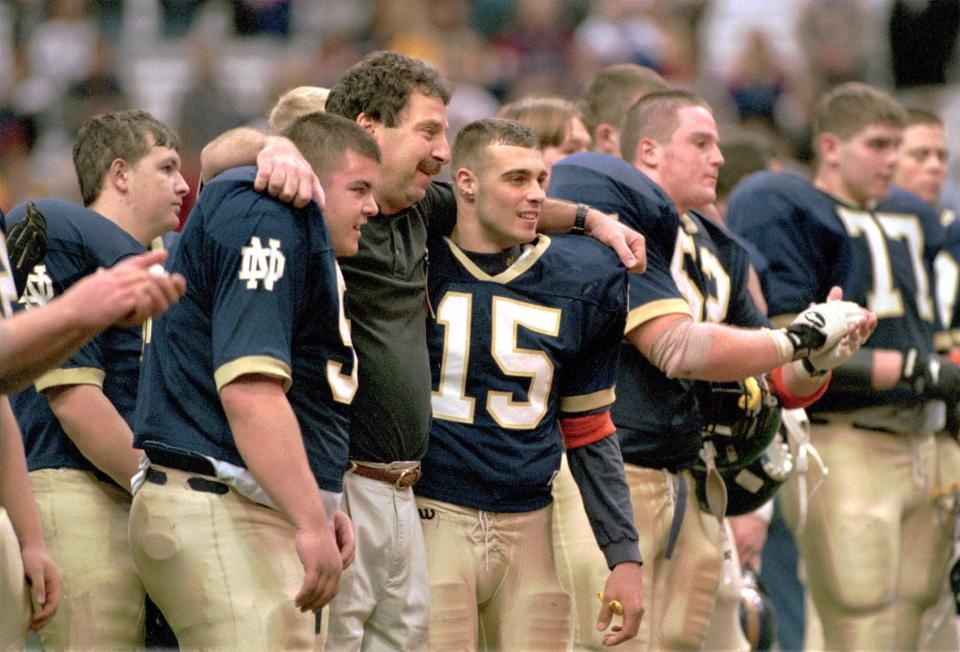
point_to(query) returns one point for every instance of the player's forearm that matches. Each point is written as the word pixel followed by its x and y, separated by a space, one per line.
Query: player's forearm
pixel 15 494
pixel 35 341
pixel 597 469
pixel 268 437
pixel 557 216
pixel 705 351
pixel 231 149
pixel 96 428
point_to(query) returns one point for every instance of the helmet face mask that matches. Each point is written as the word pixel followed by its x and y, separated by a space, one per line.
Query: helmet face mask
pixel 740 420
pixel 751 486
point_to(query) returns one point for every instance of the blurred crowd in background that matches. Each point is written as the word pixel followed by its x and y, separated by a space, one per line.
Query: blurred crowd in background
pixel 205 66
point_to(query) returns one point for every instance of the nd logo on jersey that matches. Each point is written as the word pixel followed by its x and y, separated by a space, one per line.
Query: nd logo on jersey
pixel 39 288
pixel 261 263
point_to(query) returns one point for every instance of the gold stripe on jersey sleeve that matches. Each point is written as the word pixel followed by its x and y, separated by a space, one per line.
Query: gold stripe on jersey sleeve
pixel 782 321
pixel 942 341
pixel 71 376
pixel 655 309
pixel 955 337
pixel 587 402
pixel 253 364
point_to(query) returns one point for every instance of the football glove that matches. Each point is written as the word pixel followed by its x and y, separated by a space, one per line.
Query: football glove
pixel 821 326
pixel 27 245
pixel 931 376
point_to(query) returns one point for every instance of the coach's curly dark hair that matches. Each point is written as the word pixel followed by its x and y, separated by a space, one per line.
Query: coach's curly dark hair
pixel 380 85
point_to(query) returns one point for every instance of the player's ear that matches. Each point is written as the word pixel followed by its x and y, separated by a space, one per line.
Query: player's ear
pixel 605 139
pixel 369 123
pixel 648 153
pixel 827 146
pixel 466 182
pixel 118 175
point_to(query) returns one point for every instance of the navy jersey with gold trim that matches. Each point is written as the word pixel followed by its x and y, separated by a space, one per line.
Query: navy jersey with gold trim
pixel 946 268
pixel 882 258
pixel 79 241
pixel 509 354
pixel 264 296
pixel 656 417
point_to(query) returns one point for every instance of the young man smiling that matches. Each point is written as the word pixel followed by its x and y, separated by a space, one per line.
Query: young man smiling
pixel 523 343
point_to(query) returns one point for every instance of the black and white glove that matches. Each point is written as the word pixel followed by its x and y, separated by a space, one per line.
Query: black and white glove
pixel 821 326
pixel 931 376
pixel 27 245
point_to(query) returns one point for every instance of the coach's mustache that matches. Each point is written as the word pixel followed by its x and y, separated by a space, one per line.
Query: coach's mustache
pixel 430 166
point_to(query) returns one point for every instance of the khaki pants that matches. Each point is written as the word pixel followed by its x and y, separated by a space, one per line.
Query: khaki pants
pixel 223 570
pixel 14 595
pixel 85 529
pixel 493 581
pixel 679 593
pixel 874 552
pixel 581 566
pixel 384 598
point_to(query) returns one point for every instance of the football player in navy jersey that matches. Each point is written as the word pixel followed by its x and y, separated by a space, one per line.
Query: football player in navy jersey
pixel 35 341
pixel 873 549
pixel 401 101
pixel 922 170
pixel 674 334
pixel 523 339
pixel 76 419
pixel 255 460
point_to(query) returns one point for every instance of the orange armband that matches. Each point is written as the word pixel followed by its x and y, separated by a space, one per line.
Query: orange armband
pixel 581 431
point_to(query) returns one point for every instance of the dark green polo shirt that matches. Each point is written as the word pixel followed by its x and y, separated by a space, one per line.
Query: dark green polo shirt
pixel 386 303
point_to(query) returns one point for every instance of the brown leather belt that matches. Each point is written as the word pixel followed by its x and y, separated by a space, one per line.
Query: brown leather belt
pixel 399 479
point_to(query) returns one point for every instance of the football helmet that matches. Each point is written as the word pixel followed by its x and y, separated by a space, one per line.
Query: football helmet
pixel 739 420
pixel 753 485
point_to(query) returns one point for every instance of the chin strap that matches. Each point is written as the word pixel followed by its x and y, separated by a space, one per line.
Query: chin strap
pixel 797 426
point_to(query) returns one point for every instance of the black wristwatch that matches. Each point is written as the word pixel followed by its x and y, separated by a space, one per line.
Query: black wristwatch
pixel 580 221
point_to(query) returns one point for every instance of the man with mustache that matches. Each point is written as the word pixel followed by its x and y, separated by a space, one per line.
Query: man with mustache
pixel 384 597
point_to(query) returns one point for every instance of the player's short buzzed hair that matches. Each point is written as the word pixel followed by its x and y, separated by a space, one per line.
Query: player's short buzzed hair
pixel 548 117
pixel 381 84
pixel 110 136
pixel 922 117
pixel 324 138
pixel 654 116
pixel 480 134
pixel 849 108
pixel 295 103
pixel 614 89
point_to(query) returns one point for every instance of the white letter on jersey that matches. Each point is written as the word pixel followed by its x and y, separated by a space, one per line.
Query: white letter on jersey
pixel 342 385
pixel 39 289
pixel 261 264
pixel 508 317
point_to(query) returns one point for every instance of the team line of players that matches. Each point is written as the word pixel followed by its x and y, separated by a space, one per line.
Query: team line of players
pixel 280 456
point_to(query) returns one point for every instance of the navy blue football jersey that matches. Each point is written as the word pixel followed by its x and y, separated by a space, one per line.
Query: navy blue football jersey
pixel 882 258
pixel 656 417
pixel 946 268
pixel 79 241
pixel 509 354
pixel 264 296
